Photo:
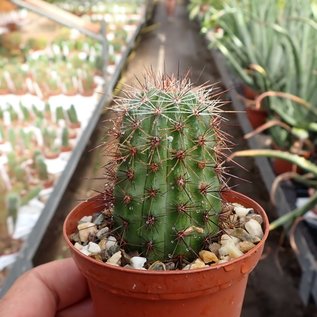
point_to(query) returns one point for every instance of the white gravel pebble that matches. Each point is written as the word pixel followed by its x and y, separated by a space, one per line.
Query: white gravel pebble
pixel 102 232
pixel 85 229
pixel 115 259
pixel 93 248
pixel 85 219
pixel 254 228
pixel 137 262
pixel 241 211
pixel 111 241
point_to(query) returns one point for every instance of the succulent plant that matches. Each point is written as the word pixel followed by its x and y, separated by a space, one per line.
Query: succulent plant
pixel 20 175
pixel 48 111
pixel 13 204
pixel 65 138
pixel 32 193
pixel 72 115
pixel 38 43
pixel 13 114
pixel 88 83
pixel 59 113
pixel 26 112
pixel 166 171
pixel 38 113
pixel 41 168
pixel 3 210
pixel 12 137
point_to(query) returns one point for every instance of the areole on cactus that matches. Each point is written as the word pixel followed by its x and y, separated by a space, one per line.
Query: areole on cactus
pixel 164 178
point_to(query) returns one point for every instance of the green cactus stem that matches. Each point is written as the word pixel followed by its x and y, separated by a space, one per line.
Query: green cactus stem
pixel 26 139
pixel 65 138
pixel 2 134
pixel 59 113
pixel 38 113
pixel 26 113
pixel 3 210
pixel 21 176
pixel 13 204
pixel 12 162
pixel 41 168
pixel 32 193
pixel 168 183
pixel 72 116
pixel 35 155
pixel 13 114
pixel 48 112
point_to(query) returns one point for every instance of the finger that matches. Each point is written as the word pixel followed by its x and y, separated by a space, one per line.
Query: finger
pixel 82 309
pixel 45 290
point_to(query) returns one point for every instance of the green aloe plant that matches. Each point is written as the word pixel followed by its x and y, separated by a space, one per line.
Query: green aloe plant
pixel 166 170
pixel 271 46
pixel 299 161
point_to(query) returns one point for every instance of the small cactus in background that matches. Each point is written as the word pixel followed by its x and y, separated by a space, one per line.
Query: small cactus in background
pixel 48 112
pixel 13 204
pixel 12 162
pixel 59 113
pixel 2 135
pixel 166 171
pixel 26 113
pixel 4 188
pixel 65 140
pixel 21 176
pixel 38 113
pixel 12 137
pixel 41 168
pixel 13 114
pixel 72 116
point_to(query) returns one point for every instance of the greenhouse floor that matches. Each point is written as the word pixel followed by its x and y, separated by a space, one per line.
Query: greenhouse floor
pixel 173 44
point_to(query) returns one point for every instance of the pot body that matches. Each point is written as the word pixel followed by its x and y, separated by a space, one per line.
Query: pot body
pixel 119 292
pixel 257 117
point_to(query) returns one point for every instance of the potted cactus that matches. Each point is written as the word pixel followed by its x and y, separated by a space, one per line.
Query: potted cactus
pixel 4 89
pixel 88 85
pixel 66 146
pixel 73 121
pixel 165 200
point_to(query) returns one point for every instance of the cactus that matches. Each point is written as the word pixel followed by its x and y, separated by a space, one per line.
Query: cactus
pixel 59 113
pixel 35 155
pixel 32 193
pixel 26 112
pixel 3 210
pixel 65 138
pixel 21 175
pixel 12 162
pixel 48 111
pixel 13 114
pixel 13 204
pixel 41 168
pixel 167 188
pixel 38 113
pixel 72 115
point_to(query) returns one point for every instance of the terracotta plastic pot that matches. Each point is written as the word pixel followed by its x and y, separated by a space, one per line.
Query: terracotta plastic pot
pixel 257 117
pixel 216 291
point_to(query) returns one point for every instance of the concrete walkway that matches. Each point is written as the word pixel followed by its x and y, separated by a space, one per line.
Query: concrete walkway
pixel 174 45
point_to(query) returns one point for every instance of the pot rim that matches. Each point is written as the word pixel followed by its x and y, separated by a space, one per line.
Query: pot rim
pixel 259 210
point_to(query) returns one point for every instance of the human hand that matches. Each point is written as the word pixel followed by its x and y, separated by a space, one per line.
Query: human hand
pixel 55 289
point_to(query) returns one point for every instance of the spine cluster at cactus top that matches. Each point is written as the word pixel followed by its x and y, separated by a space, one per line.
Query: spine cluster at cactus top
pixel 165 175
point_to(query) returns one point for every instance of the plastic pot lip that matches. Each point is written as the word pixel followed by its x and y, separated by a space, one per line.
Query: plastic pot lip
pixel 118 269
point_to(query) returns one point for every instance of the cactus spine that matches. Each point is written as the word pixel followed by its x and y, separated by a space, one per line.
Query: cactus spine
pixel 167 185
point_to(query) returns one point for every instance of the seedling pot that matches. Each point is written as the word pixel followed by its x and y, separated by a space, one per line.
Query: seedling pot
pixel 119 292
